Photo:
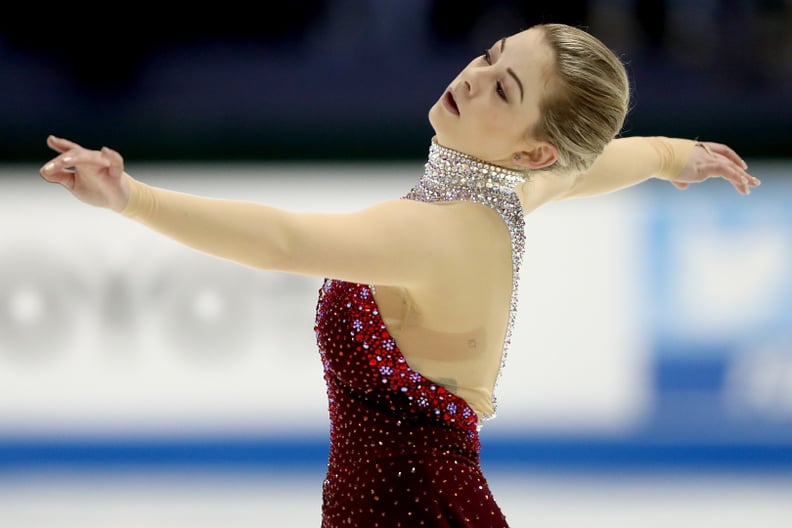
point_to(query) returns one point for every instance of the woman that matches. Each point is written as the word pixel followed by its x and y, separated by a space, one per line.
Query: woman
pixel 414 318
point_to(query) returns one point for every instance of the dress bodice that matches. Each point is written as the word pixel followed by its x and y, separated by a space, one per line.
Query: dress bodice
pixel 404 450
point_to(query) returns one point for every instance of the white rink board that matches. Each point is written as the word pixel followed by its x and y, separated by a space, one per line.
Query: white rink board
pixel 110 328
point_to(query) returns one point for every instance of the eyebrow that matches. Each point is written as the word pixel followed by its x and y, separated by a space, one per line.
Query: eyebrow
pixel 511 72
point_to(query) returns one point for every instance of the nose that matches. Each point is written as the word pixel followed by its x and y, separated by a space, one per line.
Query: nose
pixel 474 81
pixel 468 87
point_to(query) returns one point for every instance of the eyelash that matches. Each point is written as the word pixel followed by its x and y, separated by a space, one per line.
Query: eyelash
pixel 498 85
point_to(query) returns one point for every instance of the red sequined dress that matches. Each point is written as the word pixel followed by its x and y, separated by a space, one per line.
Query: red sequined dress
pixel 404 451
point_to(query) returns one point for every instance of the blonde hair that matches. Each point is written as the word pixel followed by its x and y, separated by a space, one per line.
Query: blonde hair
pixel 586 99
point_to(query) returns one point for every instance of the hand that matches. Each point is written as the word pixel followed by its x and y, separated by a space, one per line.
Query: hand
pixel 95 177
pixel 714 160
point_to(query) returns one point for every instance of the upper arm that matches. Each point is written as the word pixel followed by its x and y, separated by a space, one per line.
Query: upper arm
pixel 397 242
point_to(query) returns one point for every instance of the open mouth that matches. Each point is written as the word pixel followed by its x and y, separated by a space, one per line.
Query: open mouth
pixel 450 103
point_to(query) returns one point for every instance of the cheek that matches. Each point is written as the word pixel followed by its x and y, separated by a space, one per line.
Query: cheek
pixel 499 125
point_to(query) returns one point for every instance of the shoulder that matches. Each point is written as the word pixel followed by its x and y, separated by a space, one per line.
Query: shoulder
pixel 458 218
pixel 449 232
pixel 542 187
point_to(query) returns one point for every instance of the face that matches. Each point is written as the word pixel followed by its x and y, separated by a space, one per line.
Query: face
pixel 489 109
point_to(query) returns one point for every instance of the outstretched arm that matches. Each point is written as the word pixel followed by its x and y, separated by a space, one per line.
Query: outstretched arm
pixel 629 161
pixel 397 242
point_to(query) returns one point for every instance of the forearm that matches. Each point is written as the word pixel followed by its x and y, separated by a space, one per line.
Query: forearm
pixel 629 161
pixel 240 231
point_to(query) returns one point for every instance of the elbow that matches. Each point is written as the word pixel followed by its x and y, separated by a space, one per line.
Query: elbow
pixel 271 255
pixel 280 252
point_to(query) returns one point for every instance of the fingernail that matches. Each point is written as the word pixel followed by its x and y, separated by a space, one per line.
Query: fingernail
pixel 67 159
pixel 48 167
pixel 745 165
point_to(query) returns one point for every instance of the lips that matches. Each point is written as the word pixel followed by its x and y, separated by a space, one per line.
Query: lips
pixel 450 103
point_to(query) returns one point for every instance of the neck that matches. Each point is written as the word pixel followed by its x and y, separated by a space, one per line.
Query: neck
pixel 467 170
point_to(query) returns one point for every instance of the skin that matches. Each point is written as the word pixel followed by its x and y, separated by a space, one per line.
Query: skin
pixel 431 248
pixel 498 95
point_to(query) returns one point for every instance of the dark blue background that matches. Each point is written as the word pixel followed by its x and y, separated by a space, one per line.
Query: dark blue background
pixel 354 79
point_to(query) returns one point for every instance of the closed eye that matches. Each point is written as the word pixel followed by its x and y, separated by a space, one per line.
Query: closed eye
pixel 501 91
pixel 498 85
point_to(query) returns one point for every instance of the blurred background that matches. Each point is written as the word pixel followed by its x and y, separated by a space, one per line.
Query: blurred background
pixel 354 79
pixel 649 380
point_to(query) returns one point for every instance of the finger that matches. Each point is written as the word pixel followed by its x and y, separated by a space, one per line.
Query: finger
pixel 60 144
pixel 727 152
pixel 82 158
pixel 53 143
pixel 54 174
pixel 739 179
pixel 718 165
pixel 61 168
pixel 116 162
pixel 719 150
pixel 723 162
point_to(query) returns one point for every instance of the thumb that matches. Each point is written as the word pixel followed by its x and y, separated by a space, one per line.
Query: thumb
pixel 116 167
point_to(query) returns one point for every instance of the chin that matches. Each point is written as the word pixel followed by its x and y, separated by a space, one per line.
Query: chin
pixel 443 129
pixel 434 117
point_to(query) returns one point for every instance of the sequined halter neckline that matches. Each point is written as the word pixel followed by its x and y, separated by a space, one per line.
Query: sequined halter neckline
pixel 450 175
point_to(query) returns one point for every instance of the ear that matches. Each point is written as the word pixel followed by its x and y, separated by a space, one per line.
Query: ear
pixel 537 155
